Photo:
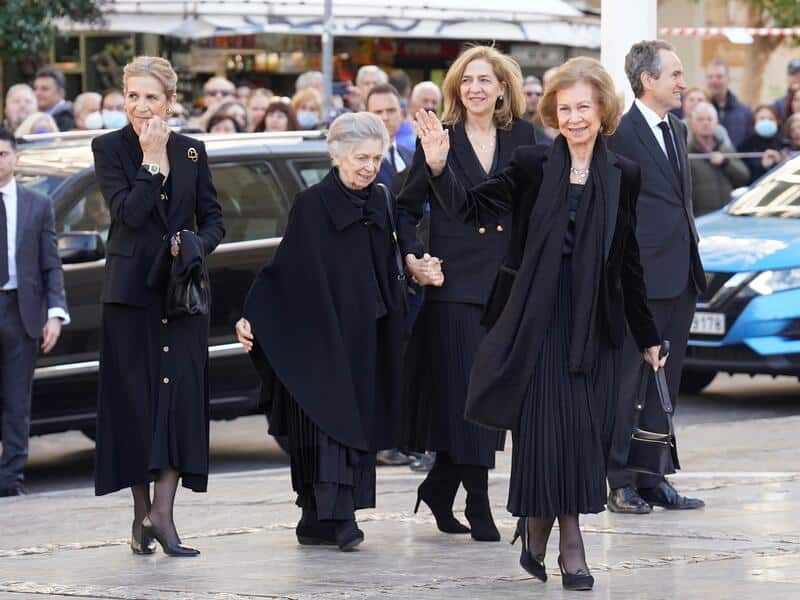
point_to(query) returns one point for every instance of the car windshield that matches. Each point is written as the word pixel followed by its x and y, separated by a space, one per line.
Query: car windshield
pixel 776 195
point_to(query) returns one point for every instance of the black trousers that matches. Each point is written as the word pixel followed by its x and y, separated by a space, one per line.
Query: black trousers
pixel 17 361
pixel 673 319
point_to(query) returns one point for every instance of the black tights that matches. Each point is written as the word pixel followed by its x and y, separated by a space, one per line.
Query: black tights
pixel 161 508
pixel 570 543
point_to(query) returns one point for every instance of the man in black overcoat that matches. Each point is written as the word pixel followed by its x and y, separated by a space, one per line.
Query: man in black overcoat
pixel 653 137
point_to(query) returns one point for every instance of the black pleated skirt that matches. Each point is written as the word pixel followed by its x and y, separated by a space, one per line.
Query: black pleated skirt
pixel 335 479
pixel 442 348
pixel 560 445
pixel 152 409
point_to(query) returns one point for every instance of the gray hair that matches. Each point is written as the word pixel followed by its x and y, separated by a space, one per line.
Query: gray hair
pixel 350 129
pixel 307 79
pixel 707 106
pixel 643 57
pixel 532 80
pixel 371 70
pixel 20 87
pixel 427 85
pixel 81 99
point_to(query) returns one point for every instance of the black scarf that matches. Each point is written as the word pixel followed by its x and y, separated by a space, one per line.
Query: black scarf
pixel 543 251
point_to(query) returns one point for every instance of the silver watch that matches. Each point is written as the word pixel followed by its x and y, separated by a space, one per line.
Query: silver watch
pixel 152 168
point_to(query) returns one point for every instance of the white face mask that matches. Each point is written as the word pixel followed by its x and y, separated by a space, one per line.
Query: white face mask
pixel 114 119
pixel 94 121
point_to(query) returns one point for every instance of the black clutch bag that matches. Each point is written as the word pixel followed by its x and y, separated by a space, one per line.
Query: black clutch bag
pixel 188 293
pixel 653 452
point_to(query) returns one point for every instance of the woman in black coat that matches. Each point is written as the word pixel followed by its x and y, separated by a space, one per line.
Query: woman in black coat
pixel 483 103
pixel 324 325
pixel 547 369
pixel 152 413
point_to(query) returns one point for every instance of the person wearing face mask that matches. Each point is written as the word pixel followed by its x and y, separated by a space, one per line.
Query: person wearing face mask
pixel 113 110
pixel 307 105
pixel 87 110
pixel 338 252
pixel 152 408
pixel 766 138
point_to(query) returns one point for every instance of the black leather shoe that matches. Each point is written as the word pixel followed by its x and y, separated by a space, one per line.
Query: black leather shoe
pixel 666 496
pixel 392 458
pixel 626 500
pixel 532 564
pixel 16 490
pixel 141 543
pixel 348 535
pixel 149 529
pixel 313 532
pixel 580 581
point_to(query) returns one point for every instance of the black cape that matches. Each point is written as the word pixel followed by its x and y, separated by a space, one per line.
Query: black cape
pixel 327 316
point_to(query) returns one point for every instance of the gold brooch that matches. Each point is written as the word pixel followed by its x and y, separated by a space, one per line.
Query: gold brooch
pixel 192 154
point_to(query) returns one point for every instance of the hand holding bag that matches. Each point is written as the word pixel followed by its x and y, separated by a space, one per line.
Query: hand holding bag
pixel 652 452
pixel 188 289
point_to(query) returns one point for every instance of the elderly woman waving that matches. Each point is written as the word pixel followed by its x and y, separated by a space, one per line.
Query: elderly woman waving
pixel 324 325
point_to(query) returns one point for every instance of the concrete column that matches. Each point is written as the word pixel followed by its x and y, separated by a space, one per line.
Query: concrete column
pixel 622 24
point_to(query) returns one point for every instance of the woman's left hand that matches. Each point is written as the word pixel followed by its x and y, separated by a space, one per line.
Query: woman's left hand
pixel 244 334
pixel 652 359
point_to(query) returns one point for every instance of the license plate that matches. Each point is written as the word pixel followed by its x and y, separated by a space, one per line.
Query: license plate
pixel 706 323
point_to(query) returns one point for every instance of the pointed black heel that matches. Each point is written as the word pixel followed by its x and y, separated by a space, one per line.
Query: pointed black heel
pixel 442 508
pixel 149 528
pixel 578 581
pixel 479 510
pixel 141 544
pixel 532 564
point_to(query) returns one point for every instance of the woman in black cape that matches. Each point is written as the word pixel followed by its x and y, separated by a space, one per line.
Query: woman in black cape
pixel 324 325
pixel 548 367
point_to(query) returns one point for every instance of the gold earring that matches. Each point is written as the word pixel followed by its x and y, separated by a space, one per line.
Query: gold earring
pixel 169 110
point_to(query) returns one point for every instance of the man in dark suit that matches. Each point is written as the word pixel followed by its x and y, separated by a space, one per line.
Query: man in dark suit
pixel 384 100
pixel 32 307
pixel 653 137
pixel 49 86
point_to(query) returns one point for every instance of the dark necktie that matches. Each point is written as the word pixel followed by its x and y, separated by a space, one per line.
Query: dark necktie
pixel 3 242
pixel 670 144
pixel 392 160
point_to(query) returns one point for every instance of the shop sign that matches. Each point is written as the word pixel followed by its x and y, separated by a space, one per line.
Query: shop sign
pixel 538 56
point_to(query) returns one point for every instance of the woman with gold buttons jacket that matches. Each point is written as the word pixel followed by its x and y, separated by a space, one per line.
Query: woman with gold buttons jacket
pixel 152 410
pixel 483 104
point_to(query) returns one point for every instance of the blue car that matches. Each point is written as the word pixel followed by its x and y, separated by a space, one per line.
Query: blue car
pixel 749 319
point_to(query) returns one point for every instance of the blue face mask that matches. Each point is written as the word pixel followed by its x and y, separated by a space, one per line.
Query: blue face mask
pixel 307 119
pixel 766 128
pixel 114 119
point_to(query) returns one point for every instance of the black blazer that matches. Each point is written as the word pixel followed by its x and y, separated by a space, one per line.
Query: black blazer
pixel 471 251
pixel 40 278
pixel 665 231
pixel 140 224
pixel 515 189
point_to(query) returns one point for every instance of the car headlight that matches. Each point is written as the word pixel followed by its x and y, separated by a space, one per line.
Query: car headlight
pixel 768 282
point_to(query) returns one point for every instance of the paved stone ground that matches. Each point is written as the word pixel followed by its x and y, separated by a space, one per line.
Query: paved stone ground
pixel 744 544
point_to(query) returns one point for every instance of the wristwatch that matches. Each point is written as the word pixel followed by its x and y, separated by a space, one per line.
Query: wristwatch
pixel 152 168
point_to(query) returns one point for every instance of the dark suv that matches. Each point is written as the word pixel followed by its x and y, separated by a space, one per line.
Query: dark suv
pixel 256 176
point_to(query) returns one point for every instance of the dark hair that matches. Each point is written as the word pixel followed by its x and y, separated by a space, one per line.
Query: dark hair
pixel 643 57
pixel 53 74
pixel 768 107
pixel 7 136
pixel 787 104
pixel 285 108
pixel 219 118
pixel 401 82
pixel 382 88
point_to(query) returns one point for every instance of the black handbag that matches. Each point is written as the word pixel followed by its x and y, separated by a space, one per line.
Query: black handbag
pixel 653 452
pixel 398 257
pixel 188 290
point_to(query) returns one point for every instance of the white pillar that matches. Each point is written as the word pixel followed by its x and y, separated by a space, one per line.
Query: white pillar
pixel 622 24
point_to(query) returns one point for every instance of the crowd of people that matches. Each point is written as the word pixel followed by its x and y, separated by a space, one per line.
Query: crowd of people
pixel 496 254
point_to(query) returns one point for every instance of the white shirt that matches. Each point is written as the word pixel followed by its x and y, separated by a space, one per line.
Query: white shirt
pixel 653 121
pixel 399 163
pixel 9 192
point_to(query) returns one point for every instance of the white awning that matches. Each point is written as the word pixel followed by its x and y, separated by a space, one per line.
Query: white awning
pixel 543 21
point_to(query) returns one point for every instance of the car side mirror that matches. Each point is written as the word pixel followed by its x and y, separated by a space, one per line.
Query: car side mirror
pixel 80 247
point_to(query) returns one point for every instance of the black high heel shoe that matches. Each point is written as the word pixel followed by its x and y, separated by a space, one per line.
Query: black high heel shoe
pixel 532 564
pixel 578 581
pixel 143 544
pixel 149 528
pixel 442 509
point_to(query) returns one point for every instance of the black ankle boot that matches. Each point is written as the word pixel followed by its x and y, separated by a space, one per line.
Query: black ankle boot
pixel 311 531
pixel 438 491
pixel 348 535
pixel 478 512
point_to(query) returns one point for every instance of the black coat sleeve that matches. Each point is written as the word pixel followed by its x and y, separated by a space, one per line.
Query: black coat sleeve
pixel 410 205
pixel 129 205
pixel 637 313
pixel 494 196
pixel 210 229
